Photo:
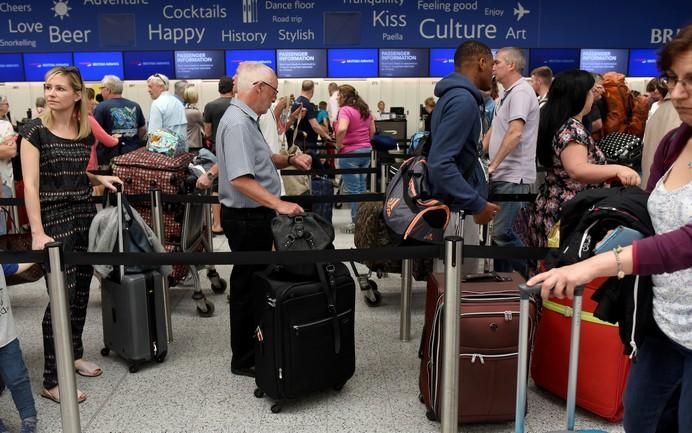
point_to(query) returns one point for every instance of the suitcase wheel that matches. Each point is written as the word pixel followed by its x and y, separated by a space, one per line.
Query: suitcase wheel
pixel 338 387
pixel 160 357
pixel 207 310
pixel 372 296
pixel 134 368
pixel 218 284
pixel 105 351
pixel 276 408
pixel 259 393
pixel 431 415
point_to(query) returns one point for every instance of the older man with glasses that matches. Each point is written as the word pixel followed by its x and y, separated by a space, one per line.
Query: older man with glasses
pixel 167 112
pixel 249 189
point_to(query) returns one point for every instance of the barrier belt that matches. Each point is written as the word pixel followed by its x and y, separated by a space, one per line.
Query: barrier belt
pixel 343 155
pixel 494 252
pixel 273 257
pixel 23 257
pixel 252 257
pixel 328 172
pixel 512 197
pixel 340 198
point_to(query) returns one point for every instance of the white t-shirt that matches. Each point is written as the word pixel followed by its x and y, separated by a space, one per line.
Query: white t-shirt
pixel 6 175
pixel 267 124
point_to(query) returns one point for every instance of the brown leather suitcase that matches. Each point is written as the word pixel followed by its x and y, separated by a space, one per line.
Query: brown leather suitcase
pixel 488 337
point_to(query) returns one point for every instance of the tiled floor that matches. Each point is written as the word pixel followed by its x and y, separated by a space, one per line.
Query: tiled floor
pixel 193 390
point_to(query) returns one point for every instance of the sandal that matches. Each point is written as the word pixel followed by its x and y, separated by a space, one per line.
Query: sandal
pixel 81 397
pixel 87 369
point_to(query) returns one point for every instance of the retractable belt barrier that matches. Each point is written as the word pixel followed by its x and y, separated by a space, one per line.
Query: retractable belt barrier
pixel 341 198
pixel 273 257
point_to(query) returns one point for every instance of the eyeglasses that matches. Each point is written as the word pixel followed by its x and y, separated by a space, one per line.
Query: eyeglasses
pixel 673 81
pixel 276 91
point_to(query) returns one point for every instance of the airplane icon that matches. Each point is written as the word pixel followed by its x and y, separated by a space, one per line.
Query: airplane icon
pixel 520 11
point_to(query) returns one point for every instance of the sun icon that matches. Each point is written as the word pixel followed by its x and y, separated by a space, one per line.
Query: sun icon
pixel 61 8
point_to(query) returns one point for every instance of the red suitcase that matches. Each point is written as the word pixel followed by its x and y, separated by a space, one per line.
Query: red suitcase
pixel 489 336
pixel 603 366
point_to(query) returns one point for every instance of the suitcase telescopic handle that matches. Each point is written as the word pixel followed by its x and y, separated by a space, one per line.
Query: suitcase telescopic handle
pixel 526 292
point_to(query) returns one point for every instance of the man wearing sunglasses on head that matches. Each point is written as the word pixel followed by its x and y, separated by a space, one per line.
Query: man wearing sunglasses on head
pixel 167 112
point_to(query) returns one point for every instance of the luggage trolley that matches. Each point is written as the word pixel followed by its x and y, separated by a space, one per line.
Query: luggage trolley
pixel 196 234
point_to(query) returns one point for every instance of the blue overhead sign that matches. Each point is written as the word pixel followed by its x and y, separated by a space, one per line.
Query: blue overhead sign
pixel 140 25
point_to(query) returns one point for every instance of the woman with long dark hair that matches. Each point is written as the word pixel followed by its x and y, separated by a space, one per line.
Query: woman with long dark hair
pixel 55 153
pixel 567 151
pixel 355 127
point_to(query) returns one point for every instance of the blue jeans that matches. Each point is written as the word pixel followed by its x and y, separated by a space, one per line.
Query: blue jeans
pixel 662 367
pixel 16 377
pixel 355 183
pixel 503 234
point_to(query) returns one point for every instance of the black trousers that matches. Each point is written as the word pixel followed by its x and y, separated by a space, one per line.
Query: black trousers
pixel 247 229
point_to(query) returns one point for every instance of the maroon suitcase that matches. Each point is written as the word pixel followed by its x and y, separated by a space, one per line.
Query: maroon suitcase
pixel 488 338
pixel 142 170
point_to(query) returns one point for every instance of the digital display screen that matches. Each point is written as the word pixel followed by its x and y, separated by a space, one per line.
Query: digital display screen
pixel 352 63
pixel 94 66
pixel 525 72
pixel 643 63
pixel 401 62
pixel 557 59
pixel 603 60
pixel 301 63
pixel 236 57
pixel 37 64
pixel 11 67
pixel 199 64
pixel 441 61
pixel 140 65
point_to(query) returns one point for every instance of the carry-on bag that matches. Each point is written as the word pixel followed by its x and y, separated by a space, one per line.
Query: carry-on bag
pixel 302 232
pixel 603 367
pixel 142 170
pixel 133 306
pixel 305 336
pixel 488 338
pixel 527 295
pixel 372 232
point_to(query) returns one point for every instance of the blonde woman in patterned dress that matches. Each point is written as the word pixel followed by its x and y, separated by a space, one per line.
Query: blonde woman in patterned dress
pixel 55 152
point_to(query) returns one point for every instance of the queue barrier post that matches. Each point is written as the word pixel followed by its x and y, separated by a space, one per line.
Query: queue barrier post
pixel 406 284
pixel 62 336
pixel 159 230
pixel 373 176
pixel 450 348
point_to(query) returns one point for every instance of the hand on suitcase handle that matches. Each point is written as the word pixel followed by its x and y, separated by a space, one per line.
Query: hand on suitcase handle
pixel 527 291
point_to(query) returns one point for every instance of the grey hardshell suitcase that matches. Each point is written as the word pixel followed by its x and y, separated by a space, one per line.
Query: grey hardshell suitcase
pixel 526 293
pixel 133 312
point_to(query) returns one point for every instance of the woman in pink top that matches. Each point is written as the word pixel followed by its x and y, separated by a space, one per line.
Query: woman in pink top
pixel 100 134
pixel 354 128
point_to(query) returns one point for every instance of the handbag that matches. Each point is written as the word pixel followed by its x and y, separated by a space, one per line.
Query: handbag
pixel 294 185
pixel 302 232
pixel 622 148
pixel 20 242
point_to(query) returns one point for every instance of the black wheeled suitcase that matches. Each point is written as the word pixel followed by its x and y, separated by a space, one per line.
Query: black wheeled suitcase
pixel 305 337
pixel 134 324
